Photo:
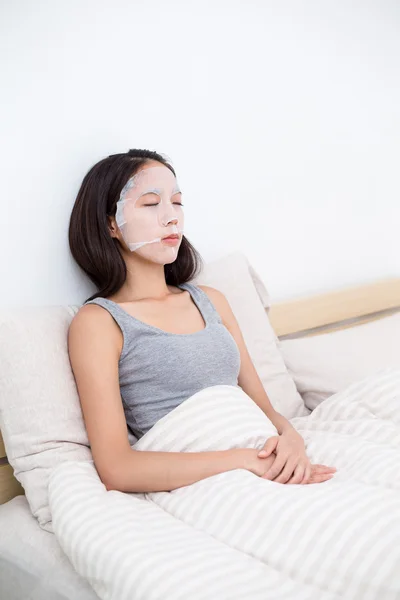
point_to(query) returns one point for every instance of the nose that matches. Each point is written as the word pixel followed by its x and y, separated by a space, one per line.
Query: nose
pixel 173 220
pixel 170 214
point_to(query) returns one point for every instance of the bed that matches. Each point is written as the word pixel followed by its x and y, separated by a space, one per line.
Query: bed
pixel 33 566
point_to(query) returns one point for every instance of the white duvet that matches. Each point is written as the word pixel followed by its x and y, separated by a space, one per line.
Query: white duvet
pixel 236 536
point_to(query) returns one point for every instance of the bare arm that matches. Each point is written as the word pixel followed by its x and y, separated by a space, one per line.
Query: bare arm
pixel 94 344
pixel 292 464
pixel 248 379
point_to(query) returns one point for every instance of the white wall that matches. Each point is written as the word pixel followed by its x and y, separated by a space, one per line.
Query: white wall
pixel 282 120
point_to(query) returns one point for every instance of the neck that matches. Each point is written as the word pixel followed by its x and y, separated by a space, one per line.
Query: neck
pixel 144 279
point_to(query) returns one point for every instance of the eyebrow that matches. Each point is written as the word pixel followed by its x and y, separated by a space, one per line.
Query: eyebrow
pixel 152 191
pixel 158 191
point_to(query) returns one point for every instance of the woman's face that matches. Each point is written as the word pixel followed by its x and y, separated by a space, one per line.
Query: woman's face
pixel 150 209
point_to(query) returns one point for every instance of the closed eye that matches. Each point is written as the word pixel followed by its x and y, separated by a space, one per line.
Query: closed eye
pixel 157 203
pixel 180 195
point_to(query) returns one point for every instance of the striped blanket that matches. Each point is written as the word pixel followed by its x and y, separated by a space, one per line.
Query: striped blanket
pixel 234 535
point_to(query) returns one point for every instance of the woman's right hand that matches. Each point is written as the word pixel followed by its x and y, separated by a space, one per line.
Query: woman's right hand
pixel 259 466
pixel 253 463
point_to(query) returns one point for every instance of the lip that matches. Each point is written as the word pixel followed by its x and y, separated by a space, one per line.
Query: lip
pixel 171 236
pixel 171 240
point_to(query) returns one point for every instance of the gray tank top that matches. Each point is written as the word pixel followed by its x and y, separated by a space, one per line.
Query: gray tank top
pixel 159 370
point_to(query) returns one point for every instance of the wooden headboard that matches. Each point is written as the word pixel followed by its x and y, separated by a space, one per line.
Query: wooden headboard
pixel 313 315
pixel 9 486
pixel 305 316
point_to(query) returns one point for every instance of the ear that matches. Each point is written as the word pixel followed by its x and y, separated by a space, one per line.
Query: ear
pixel 113 227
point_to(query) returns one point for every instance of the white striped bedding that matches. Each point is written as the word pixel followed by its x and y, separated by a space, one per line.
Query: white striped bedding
pixel 235 535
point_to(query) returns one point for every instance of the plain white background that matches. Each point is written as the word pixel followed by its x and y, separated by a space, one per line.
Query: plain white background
pixel 282 120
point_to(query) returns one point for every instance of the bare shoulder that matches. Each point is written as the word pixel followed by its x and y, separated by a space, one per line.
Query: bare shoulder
pixel 212 292
pixel 90 315
pixel 91 325
pixel 219 300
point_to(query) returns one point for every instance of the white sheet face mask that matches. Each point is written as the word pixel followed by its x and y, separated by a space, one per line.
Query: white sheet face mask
pixel 149 208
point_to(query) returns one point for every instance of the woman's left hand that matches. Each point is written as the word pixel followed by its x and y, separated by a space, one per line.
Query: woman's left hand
pixel 291 464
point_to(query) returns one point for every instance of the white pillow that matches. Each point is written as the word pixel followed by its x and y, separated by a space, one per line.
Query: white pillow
pixel 40 414
pixel 324 364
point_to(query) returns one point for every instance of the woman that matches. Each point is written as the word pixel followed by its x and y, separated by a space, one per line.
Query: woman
pixel 149 339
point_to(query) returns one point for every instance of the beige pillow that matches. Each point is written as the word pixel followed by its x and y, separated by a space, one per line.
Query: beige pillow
pixel 40 415
pixel 243 288
pixel 324 364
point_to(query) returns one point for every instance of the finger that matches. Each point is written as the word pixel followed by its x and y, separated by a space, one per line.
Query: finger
pixel 298 474
pixel 307 473
pixel 323 468
pixel 322 471
pixel 269 447
pixel 321 477
pixel 287 472
pixel 276 467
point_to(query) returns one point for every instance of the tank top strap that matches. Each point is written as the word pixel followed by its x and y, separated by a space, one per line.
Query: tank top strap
pixel 126 321
pixel 119 315
pixel 204 304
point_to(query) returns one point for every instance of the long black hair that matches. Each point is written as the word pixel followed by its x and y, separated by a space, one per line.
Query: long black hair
pixel 92 246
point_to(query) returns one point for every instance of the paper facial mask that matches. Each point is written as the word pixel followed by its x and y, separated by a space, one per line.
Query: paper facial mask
pixel 149 209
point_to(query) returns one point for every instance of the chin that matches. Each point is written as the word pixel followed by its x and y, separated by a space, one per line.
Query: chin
pixel 161 258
